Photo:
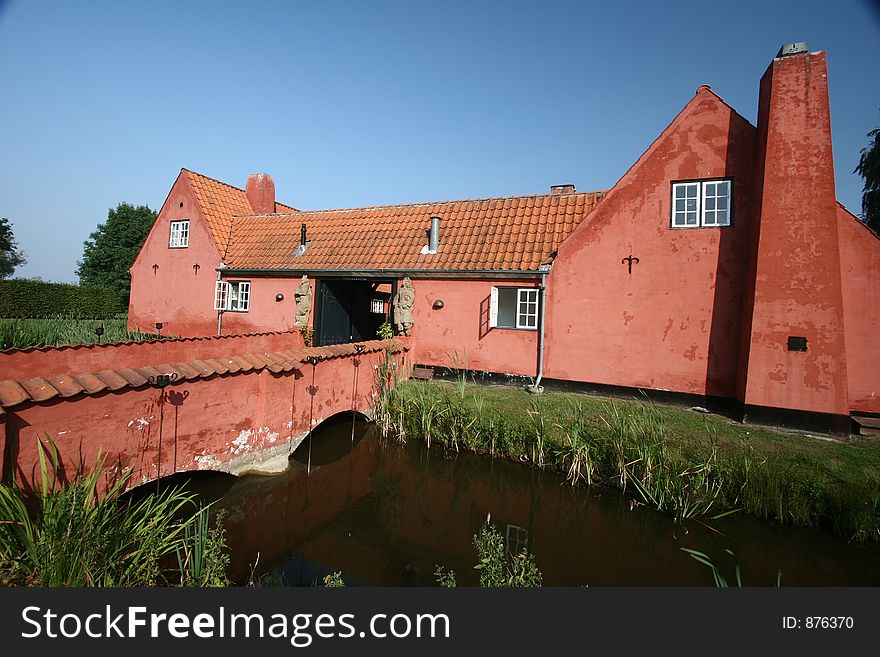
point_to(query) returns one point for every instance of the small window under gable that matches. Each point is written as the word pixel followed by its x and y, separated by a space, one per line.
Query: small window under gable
pixel 179 235
pixel 514 307
pixel 705 203
pixel 232 296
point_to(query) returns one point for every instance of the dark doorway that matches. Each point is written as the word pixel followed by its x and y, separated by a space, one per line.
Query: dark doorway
pixel 352 310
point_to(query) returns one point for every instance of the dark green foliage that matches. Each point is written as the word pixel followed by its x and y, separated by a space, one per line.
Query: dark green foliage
pixel 10 255
pixel 111 250
pixel 869 169
pixel 21 297
pixel 498 567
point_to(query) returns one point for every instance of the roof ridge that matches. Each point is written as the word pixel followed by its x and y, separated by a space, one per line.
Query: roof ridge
pixel 202 175
pixel 423 204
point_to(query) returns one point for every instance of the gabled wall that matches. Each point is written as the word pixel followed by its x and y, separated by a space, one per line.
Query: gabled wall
pixel 176 294
pixel 860 273
pixel 674 322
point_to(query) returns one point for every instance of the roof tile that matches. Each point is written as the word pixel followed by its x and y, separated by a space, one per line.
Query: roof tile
pixel 66 385
pixel 39 389
pixel 11 393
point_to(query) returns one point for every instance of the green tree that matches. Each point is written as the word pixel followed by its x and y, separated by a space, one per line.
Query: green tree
pixel 10 255
pixel 111 249
pixel 869 169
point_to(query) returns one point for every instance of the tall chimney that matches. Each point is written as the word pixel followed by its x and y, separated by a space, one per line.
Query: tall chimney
pixel 797 281
pixel 260 192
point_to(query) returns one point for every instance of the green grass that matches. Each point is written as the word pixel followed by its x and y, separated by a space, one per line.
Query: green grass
pixel 68 330
pixel 673 459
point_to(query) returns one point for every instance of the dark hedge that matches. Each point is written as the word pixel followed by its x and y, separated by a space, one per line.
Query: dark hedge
pixel 20 298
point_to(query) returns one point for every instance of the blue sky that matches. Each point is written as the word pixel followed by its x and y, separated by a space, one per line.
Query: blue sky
pixel 361 103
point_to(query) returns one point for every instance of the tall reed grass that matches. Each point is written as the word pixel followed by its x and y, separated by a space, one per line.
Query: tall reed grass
pixel 73 535
pixel 66 330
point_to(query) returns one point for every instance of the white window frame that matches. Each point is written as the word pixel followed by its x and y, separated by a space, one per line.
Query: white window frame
pixel 179 238
pixel 528 302
pixel 227 300
pixel 678 218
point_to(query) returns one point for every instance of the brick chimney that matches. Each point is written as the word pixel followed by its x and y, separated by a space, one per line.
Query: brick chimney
pixel 797 279
pixel 260 192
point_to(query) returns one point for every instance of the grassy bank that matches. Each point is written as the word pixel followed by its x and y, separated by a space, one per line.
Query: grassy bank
pixel 66 330
pixel 676 460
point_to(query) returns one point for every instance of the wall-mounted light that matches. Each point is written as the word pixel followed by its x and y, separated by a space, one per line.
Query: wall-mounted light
pixel 279 297
pixel 438 304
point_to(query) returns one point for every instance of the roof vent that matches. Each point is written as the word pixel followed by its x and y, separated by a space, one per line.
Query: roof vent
pixel 792 49
pixel 562 189
pixel 303 242
pixel 433 237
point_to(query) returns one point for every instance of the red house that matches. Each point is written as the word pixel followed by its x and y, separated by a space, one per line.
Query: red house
pixel 720 265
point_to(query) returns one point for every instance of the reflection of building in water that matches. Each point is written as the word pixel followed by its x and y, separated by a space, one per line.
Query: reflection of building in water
pixel 516 540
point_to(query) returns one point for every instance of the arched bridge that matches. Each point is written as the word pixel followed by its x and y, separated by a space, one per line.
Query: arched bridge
pixel 224 408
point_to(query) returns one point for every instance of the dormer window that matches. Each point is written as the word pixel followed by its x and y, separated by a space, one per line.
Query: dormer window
pixel 179 235
pixel 705 203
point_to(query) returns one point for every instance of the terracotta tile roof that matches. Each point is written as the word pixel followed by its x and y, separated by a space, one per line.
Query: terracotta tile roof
pixel 517 233
pixel 39 389
pixel 219 202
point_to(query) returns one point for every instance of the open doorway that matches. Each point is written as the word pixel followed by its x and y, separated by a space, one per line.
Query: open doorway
pixel 352 310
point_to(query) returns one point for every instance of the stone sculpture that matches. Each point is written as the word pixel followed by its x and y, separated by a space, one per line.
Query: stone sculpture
pixel 303 295
pixel 403 304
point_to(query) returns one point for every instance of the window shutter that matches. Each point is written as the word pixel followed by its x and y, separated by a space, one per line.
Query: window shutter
pixel 493 308
pixel 220 295
pixel 244 296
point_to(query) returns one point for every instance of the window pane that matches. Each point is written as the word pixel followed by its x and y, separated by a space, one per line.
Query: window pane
pixel 709 218
pixel 507 298
pixel 679 191
pixel 722 218
pixel 693 190
pixel 710 189
pixel 722 188
pixel 691 204
pixel 679 205
pixel 722 203
pixel 710 203
pixel 691 218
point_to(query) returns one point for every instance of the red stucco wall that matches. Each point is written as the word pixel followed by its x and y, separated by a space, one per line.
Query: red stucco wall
pixel 265 313
pixel 673 323
pixel 204 424
pixel 798 277
pixel 176 294
pixel 860 273
pixel 460 330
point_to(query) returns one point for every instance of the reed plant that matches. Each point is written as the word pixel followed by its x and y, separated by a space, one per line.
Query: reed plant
pixel 66 330
pixel 86 533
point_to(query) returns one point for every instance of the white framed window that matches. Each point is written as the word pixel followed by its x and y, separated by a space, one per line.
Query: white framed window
pixel 179 235
pixel 705 203
pixel 377 306
pixel 232 296
pixel 514 307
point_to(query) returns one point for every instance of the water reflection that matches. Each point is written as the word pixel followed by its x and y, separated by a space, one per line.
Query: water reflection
pixel 387 514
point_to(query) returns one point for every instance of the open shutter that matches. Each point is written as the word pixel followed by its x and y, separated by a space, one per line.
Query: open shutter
pixel 493 308
pixel 220 295
pixel 244 296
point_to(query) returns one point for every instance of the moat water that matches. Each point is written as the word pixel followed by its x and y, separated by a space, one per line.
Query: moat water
pixel 387 514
